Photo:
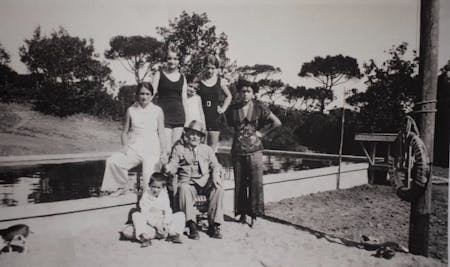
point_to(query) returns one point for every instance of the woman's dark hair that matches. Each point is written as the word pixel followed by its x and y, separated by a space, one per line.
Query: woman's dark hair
pixel 157 177
pixel 146 85
pixel 171 47
pixel 241 83
pixel 191 78
pixel 211 59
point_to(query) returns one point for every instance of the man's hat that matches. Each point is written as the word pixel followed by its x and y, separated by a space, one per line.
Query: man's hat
pixel 196 126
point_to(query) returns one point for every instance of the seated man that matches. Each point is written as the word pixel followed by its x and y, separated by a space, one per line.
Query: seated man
pixel 198 173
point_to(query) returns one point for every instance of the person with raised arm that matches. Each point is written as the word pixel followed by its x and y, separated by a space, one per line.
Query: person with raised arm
pixel 249 121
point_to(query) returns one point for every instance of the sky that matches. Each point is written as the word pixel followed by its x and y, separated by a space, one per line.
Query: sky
pixel 283 33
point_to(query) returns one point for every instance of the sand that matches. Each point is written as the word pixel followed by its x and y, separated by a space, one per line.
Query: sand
pixel 91 239
pixel 370 210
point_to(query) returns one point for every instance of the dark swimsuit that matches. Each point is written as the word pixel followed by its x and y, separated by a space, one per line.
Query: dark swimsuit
pixel 210 101
pixel 170 101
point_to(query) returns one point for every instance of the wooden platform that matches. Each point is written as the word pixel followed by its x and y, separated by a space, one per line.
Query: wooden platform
pixel 369 143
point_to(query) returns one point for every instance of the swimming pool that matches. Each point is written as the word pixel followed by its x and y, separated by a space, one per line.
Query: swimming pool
pixel 23 185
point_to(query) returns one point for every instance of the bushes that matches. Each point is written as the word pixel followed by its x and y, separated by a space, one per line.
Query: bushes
pixel 315 131
pixel 64 100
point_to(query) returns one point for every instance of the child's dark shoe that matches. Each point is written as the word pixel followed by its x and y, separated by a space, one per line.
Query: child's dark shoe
pixel 175 239
pixel 145 241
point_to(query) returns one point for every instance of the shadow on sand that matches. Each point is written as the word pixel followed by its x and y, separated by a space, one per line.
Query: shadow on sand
pixel 370 246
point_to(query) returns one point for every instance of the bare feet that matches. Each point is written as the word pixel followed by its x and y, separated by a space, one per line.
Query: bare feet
pixel 118 192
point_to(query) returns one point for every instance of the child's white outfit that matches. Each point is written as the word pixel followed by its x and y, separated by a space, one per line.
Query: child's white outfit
pixel 193 109
pixel 156 211
pixel 143 147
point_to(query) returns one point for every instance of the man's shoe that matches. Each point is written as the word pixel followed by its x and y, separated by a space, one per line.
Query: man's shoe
pixel 193 231
pixel 243 218
pixel 175 239
pixel 210 230
pixel 214 231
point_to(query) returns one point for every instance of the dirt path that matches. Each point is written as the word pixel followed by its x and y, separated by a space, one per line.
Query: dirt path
pixel 91 239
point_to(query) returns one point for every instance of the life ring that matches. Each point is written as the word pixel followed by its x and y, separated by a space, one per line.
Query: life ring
pixel 417 165
pixel 411 171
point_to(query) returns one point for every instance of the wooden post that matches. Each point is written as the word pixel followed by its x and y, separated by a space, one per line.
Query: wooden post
pixel 341 144
pixel 429 36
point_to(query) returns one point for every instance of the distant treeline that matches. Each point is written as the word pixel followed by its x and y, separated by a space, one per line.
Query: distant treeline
pixel 67 77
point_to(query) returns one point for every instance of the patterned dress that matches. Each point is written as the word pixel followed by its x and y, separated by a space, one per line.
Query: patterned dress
pixel 247 157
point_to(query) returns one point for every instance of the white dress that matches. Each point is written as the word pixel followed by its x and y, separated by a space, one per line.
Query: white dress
pixel 193 112
pixel 143 147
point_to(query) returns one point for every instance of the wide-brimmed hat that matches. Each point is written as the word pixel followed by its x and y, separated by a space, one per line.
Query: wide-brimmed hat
pixel 196 126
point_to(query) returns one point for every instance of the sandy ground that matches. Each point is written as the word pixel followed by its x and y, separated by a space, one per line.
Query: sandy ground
pixel 370 210
pixel 91 239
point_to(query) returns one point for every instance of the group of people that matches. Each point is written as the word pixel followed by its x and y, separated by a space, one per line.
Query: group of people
pixel 175 139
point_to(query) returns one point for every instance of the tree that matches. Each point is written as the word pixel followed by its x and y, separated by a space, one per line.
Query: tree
pixel 310 98
pixel 140 54
pixel 391 91
pixel 195 38
pixel 74 78
pixel 330 72
pixel 258 72
pixel 63 58
pixel 7 76
pixel 262 74
pixel 293 96
pixel 4 56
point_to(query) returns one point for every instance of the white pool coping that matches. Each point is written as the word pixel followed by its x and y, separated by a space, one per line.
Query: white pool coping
pixel 28 160
pixel 276 187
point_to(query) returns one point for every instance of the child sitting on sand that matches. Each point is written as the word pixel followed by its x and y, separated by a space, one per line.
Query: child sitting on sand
pixel 155 219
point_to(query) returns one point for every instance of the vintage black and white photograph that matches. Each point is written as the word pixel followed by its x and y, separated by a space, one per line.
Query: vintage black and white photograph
pixel 224 133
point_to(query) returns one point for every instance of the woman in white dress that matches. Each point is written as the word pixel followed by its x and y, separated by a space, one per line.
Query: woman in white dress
pixel 143 142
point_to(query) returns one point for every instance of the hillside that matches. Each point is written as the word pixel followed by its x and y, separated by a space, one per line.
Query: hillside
pixel 27 132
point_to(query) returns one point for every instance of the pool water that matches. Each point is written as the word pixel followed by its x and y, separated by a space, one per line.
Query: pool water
pixel 23 185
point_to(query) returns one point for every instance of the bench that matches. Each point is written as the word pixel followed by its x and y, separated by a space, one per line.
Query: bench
pixel 374 139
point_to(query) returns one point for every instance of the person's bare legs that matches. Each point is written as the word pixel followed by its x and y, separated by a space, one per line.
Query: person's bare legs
pixel 169 144
pixel 213 139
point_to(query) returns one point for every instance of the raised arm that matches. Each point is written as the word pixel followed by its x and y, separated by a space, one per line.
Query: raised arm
pixel 272 123
pixel 155 82
pixel 184 95
pixel 200 107
pixel 174 161
pixel 162 138
pixel 228 97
